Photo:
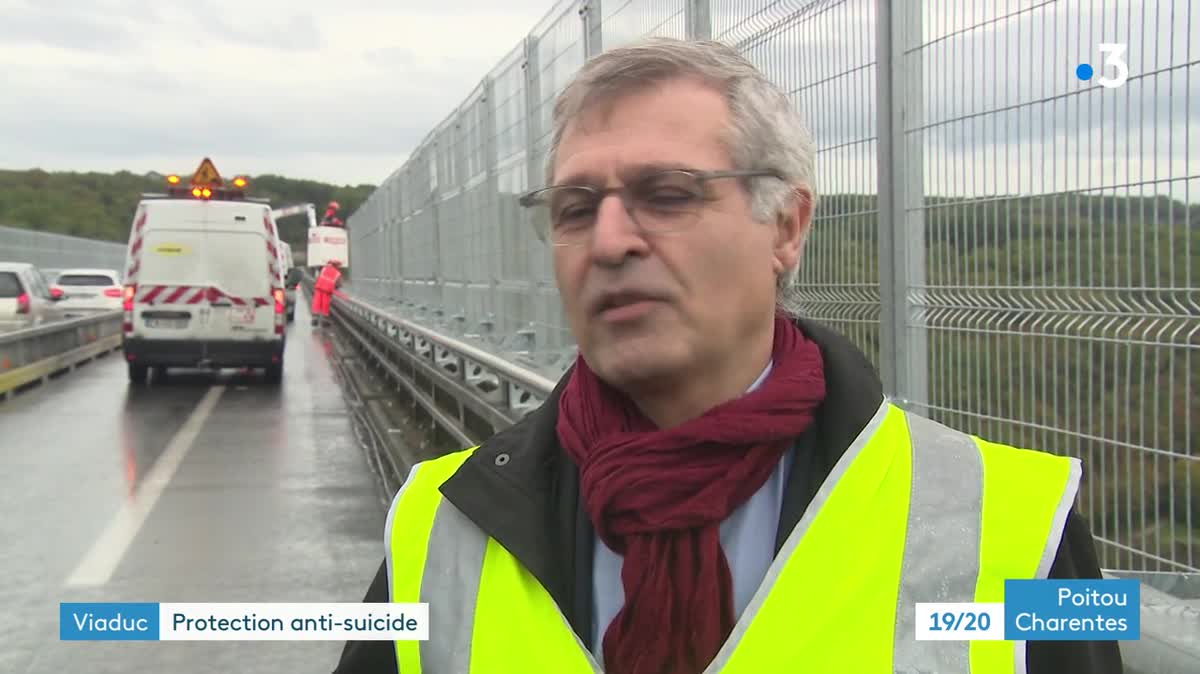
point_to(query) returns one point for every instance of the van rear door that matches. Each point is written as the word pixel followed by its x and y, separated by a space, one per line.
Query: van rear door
pixel 241 274
pixel 172 282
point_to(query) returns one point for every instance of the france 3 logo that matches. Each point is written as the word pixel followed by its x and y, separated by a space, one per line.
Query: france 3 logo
pixel 1114 59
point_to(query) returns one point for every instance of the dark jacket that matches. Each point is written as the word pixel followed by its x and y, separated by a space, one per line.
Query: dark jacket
pixel 531 506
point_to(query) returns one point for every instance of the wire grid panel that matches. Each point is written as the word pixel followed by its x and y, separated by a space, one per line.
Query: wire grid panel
pixel 519 252
pixel 1048 225
pixel 450 226
pixel 49 251
pixel 394 248
pixel 481 239
pixel 823 55
pixel 1061 240
pixel 511 172
pixel 559 52
pixel 559 55
pixel 623 21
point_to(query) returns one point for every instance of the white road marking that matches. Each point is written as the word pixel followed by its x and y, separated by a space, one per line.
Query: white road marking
pixel 97 566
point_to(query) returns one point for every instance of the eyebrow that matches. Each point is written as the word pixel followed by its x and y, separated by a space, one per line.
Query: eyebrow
pixel 627 174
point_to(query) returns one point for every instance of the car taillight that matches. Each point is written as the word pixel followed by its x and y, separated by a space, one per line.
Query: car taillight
pixel 112 292
pixel 280 309
pixel 127 305
pixel 22 303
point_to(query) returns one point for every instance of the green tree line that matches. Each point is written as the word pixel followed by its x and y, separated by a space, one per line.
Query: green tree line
pixel 101 205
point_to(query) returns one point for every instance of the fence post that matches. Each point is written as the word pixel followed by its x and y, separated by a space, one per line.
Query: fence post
pixel 533 112
pixel 903 348
pixel 490 203
pixel 697 20
pixel 394 249
pixel 437 174
pixel 388 214
pixel 535 171
pixel 590 14
pixel 407 190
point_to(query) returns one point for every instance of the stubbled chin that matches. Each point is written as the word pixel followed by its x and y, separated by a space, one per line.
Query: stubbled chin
pixel 629 360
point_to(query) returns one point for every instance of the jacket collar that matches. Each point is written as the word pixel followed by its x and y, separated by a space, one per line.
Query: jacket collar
pixel 522 489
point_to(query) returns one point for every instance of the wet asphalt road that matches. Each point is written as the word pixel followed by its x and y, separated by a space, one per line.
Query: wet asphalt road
pixel 201 488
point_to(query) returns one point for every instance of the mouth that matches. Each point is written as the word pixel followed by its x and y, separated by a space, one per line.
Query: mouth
pixel 620 306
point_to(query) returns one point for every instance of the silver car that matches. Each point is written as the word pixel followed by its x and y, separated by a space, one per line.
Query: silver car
pixel 25 298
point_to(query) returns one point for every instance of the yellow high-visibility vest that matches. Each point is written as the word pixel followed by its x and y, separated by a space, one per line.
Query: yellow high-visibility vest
pixel 950 516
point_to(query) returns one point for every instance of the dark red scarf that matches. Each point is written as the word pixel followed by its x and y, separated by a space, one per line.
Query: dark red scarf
pixel 658 498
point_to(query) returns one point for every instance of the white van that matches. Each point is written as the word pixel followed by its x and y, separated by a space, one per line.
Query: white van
pixel 203 286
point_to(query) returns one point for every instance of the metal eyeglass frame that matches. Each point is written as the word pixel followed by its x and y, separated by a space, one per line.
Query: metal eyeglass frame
pixel 530 199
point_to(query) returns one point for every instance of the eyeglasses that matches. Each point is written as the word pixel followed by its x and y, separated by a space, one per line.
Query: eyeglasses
pixel 660 202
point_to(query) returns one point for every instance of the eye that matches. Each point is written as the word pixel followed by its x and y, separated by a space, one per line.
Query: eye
pixel 575 216
pixel 572 207
pixel 670 197
pixel 669 191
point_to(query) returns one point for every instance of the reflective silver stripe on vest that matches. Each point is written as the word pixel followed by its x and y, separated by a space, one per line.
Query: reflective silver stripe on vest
pixel 941 546
pixel 450 585
pixel 793 539
pixel 387 527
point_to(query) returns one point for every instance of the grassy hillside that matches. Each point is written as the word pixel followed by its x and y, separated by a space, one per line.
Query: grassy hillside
pixel 100 205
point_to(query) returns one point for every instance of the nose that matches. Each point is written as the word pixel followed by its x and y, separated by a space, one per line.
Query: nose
pixel 615 235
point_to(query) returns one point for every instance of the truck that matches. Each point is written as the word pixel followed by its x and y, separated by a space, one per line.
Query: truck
pixel 326 244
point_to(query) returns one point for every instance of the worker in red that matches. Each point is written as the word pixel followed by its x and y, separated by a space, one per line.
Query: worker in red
pixel 326 285
pixel 331 219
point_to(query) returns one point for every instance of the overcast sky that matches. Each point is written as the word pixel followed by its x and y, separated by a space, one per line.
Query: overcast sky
pixel 337 91
pixel 344 91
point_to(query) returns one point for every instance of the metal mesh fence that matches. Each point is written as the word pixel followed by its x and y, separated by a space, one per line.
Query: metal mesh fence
pixel 1016 248
pixel 54 252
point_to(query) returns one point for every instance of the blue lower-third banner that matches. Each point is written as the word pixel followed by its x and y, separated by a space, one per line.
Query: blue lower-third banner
pixel 1072 610
pixel 243 622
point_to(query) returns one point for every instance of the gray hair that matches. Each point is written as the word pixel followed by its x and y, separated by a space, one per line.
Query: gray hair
pixel 765 131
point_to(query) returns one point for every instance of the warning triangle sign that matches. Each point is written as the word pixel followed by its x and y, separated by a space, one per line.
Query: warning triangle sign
pixel 206 174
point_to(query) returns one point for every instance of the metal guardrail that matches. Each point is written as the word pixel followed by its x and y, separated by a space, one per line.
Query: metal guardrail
pixel 468 391
pixel 33 354
pixel 434 367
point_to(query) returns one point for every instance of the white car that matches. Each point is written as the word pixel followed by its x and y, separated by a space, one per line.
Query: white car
pixel 203 288
pixel 89 291
pixel 26 300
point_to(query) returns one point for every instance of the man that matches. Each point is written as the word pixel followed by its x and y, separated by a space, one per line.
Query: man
pixel 715 485
pixel 323 290
pixel 331 219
